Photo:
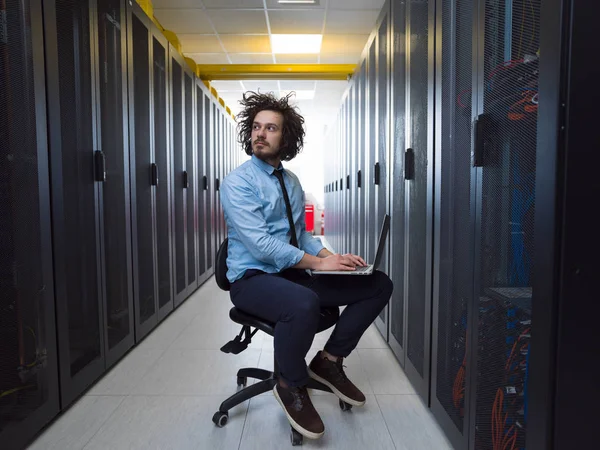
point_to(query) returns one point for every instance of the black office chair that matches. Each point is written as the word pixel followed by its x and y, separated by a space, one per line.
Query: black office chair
pixel 329 317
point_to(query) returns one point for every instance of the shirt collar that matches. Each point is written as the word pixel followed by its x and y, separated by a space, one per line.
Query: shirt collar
pixel 264 166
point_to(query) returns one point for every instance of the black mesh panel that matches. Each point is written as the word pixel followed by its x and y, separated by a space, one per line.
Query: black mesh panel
pixel 200 173
pixel 110 29
pixel 456 242
pixel 143 161
pixel 372 150
pixel 208 169
pixel 511 40
pixel 80 258
pixel 21 271
pixel 163 211
pixel 417 198
pixel 177 88
pixel 396 235
pixel 189 167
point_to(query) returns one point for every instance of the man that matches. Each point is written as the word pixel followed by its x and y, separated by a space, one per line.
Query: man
pixel 268 250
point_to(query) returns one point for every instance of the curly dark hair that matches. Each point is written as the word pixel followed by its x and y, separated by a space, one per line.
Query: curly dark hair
pixel 292 139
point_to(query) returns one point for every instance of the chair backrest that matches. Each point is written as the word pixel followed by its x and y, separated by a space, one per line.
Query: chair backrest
pixel 221 267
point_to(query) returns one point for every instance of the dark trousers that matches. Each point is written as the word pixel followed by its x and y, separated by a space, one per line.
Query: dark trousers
pixel 293 301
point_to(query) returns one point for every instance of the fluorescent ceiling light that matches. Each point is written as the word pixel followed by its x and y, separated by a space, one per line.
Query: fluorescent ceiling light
pixel 296 44
pixel 300 95
pixel 310 2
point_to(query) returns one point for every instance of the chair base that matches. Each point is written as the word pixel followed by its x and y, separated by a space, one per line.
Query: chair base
pixel 268 381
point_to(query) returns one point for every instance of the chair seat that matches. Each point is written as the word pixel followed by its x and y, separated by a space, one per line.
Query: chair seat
pixel 329 317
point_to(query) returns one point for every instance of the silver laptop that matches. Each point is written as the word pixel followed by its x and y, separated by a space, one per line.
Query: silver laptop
pixel 366 270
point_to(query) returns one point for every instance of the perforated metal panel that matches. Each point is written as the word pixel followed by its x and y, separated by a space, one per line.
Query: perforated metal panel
pixel 507 187
pixel 417 193
pixel 77 283
pixel 144 192
pixel 192 183
pixel 111 30
pixel 178 177
pixel 201 173
pixel 161 152
pixel 457 206
pixel 25 364
pixel 397 193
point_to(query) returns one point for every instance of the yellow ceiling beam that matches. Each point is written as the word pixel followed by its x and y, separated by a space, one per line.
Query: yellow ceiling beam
pixel 213 72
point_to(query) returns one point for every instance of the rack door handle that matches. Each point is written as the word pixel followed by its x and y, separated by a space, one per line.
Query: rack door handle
pixel 347 181
pixel 377 174
pixel 359 179
pixel 186 180
pixel 409 164
pixel 99 166
pixel 480 139
pixel 154 170
pixel 205 183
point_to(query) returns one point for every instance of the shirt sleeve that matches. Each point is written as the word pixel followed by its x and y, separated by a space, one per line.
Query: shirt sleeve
pixel 243 210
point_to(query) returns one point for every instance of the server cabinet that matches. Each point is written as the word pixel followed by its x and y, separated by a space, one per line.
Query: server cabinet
pixel 28 362
pixel 202 177
pixel 210 186
pixel 398 176
pixel 113 169
pixel 371 142
pixel 182 173
pixel 361 84
pixel 152 269
pixel 419 192
pixel 354 165
pixel 72 127
pixel 455 215
pixel 379 182
pixel 191 203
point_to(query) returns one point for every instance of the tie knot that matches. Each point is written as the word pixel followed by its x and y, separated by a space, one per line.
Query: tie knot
pixel 278 174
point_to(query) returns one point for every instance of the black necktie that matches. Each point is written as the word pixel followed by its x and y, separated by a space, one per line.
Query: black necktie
pixel 288 208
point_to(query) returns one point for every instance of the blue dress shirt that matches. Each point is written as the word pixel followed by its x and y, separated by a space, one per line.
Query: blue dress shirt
pixel 257 225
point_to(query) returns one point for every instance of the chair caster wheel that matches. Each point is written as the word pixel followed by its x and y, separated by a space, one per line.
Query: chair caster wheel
pixel 296 437
pixel 242 381
pixel 220 419
pixel 345 406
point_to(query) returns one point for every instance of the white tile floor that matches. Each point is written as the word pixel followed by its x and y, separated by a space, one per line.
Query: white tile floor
pixel 163 394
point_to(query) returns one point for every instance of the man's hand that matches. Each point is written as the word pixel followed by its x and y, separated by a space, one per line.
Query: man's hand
pixel 340 262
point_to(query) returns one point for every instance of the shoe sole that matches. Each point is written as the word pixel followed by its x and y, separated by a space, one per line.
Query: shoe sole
pixel 303 431
pixel 337 392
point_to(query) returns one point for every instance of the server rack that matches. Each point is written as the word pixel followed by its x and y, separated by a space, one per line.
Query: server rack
pixel 70 48
pixel 28 365
pixel 203 199
pixel 150 188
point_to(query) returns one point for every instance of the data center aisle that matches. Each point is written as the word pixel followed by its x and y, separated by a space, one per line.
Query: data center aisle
pixel 163 394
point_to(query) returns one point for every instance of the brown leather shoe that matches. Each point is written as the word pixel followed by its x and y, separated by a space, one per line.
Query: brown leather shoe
pixel 332 374
pixel 300 411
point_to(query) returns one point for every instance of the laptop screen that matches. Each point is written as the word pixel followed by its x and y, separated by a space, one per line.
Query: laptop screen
pixel 382 237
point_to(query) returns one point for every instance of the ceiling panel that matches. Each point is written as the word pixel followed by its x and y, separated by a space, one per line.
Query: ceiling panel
pixel 165 4
pixel 226 86
pixel 344 43
pixel 184 20
pixel 359 22
pixel 208 58
pixel 251 58
pixel 343 58
pixel 238 22
pixel 273 4
pixel 292 22
pixel 200 43
pixel 297 85
pixel 246 43
pixel 331 85
pixel 356 4
pixel 231 3
pixel 263 86
pixel 297 59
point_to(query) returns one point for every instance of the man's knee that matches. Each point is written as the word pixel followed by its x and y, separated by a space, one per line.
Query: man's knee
pixel 384 285
pixel 305 304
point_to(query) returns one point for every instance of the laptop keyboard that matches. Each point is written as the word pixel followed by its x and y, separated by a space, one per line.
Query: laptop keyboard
pixel 362 268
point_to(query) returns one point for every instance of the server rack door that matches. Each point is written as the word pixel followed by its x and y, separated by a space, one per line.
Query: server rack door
pixel 202 182
pixel 356 148
pixel 360 175
pixel 371 147
pixel 215 168
pixel 164 173
pixel 505 154
pixel 397 177
pixel 455 216
pixel 349 172
pixel 28 362
pixel 209 168
pixel 142 185
pixel 74 196
pixel 418 191
pixel 191 204
pixel 111 71
pixel 346 174
pixel 179 177
pixel 380 172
